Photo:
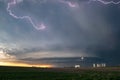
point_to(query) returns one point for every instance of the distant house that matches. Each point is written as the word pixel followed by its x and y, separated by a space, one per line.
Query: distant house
pixel 94 65
pixel 99 65
pixel 77 66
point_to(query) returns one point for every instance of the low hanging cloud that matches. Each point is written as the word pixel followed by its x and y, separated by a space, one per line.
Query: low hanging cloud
pixel 6 57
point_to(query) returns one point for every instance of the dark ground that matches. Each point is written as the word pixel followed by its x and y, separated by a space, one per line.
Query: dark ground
pixel 22 73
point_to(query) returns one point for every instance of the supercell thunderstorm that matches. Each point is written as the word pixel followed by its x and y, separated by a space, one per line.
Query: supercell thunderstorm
pixel 59 28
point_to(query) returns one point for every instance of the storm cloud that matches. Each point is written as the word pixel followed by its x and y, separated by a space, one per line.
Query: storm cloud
pixel 72 29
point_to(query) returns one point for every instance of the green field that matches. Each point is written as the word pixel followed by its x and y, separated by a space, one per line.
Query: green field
pixel 21 73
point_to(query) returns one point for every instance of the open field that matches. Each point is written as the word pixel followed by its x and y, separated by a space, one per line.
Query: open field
pixel 21 73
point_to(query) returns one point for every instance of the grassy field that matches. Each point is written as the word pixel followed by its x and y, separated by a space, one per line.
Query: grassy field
pixel 21 73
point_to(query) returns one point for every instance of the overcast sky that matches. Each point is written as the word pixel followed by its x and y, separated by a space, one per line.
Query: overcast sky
pixel 35 29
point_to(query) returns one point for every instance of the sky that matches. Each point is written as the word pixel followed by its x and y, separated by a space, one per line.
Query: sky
pixel 59 32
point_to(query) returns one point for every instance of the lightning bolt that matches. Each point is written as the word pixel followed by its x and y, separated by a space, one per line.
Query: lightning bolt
pixel 41 26
pixel 70 4
pixel 106 2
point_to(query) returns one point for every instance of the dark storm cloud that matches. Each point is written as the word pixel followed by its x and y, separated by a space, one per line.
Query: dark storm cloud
pixel 85 30
pixel 110 52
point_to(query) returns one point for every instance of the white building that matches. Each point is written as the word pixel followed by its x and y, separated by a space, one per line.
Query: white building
pixel 77 66
pixel 94 65
pixel 99 65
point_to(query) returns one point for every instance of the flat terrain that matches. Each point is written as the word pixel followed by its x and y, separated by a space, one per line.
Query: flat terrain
pixel 22 73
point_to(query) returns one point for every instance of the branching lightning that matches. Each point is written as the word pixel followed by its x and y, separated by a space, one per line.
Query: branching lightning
pixel 14 2
pixel 106 2
pixel 41 26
